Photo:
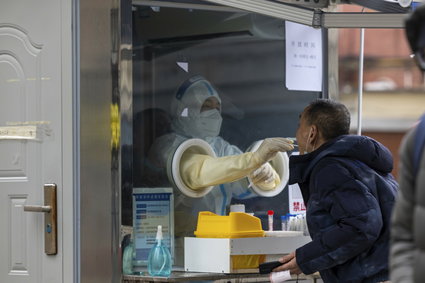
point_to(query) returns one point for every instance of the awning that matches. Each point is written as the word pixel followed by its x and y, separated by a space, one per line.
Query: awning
pixel 389 15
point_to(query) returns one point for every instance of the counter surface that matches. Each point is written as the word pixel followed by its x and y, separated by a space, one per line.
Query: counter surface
pixel 180 276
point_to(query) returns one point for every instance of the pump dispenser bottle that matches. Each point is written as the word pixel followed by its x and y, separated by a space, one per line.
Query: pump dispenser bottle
pixel 159 260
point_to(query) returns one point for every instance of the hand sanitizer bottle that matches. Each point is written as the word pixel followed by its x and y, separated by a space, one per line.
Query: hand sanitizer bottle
pixel 127 259
pixel 159 260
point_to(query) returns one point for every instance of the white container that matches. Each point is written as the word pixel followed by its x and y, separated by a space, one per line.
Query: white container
pixel 214 254
pixel 237 208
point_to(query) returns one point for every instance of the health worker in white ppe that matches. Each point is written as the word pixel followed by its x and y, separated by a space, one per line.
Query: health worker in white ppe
pixel 196 113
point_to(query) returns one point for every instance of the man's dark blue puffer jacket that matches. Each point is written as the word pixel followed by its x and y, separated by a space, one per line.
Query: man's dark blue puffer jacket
pixel 349 193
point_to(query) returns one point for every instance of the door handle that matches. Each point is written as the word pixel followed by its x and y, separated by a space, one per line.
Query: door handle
pixel 37 208
pixel 50 218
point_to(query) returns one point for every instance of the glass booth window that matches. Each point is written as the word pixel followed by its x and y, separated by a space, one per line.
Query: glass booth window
pixel 218 77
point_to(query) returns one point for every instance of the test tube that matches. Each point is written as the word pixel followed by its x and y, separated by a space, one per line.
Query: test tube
pixel 270 214
pixel 294 140
pixel 284 221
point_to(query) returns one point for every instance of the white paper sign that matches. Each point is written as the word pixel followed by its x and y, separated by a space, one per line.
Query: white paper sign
pixel 303 57
pixel 18 133
pixel 296 201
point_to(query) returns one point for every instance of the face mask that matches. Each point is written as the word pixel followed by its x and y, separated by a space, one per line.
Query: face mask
pixel 209 123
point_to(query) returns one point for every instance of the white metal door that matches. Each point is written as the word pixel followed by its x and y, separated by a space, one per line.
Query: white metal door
pixel 31 93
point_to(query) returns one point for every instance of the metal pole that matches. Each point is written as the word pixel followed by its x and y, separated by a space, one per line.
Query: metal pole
pixel 360 96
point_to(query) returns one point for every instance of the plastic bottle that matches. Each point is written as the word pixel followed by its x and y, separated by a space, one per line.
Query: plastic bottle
pixel 298 223
pixel 270 214
pixel 291 222
pixel 159 260
pixel 284 220
pixel 305 227
pixel 127 259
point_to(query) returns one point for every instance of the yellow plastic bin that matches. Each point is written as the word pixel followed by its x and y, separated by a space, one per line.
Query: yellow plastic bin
pixel 235 225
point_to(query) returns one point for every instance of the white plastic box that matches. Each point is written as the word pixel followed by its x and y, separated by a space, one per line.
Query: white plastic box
pixel 215 254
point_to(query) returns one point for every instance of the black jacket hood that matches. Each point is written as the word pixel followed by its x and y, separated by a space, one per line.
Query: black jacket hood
pixel 361 148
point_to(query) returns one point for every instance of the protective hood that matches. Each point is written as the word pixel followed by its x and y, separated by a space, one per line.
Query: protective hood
pixel 361 148
pixel 186 110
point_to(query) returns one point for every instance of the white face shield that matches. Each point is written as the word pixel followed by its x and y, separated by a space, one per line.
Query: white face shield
pixel 188 120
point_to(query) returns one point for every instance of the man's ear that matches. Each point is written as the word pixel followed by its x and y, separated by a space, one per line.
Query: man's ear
pixel 314 133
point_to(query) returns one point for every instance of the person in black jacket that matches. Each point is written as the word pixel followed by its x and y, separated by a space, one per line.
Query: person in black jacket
pixel 349 193
pixel 407 254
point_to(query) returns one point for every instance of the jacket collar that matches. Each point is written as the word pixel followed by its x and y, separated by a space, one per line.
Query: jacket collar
pixel 300 166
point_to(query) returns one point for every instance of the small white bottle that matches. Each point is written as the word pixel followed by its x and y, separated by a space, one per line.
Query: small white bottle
pixel 270 214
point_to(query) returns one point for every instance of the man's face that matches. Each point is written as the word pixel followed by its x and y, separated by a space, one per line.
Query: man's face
pixel 302 133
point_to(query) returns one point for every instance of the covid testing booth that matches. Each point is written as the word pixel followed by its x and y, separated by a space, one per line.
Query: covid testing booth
pixel 257 64
pixel 129 123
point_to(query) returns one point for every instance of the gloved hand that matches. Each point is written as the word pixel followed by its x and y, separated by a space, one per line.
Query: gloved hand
pixel 262 174
pixel 265 177
pixel 270 147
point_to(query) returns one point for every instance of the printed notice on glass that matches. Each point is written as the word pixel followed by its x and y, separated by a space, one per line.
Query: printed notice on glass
pixel 303 57
pixel 152 207
pixel 296 201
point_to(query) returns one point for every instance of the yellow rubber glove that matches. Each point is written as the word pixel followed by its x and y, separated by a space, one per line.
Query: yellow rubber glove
pixel 265 177
pixel 200 171
pixel 270 147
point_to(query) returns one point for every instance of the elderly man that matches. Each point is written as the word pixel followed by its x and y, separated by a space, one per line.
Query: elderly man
pixel 349 193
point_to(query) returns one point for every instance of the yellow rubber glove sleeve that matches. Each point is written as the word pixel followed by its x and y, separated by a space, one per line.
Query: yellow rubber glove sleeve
pixel 200 171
